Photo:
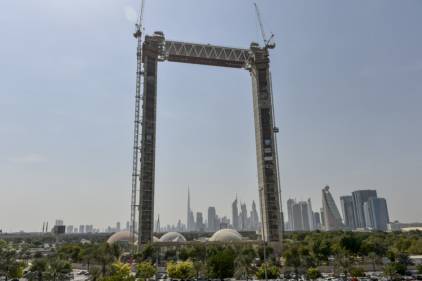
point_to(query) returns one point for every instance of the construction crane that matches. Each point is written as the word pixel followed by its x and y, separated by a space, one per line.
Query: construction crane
pixel 268 44
pixel 136 146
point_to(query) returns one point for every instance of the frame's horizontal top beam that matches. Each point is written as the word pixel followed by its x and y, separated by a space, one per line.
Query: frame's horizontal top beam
pixel 206 54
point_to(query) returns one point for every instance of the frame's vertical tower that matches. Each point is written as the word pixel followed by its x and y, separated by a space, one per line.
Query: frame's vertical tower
pixel 268 185
pixel 151 50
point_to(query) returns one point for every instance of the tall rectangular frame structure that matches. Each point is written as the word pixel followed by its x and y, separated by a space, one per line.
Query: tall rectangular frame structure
pixel 256 60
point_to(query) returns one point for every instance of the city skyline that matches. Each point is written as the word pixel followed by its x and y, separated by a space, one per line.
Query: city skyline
pixel 300 216
pixel 347 99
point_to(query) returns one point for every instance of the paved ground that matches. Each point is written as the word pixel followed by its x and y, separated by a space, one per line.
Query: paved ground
pixel 78 277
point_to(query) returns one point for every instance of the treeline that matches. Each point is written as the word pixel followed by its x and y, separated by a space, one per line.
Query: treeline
pixel 346 253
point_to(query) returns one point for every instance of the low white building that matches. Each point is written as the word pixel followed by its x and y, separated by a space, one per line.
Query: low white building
pixel 416 259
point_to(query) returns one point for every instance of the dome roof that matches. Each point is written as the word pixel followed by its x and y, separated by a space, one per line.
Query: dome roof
pixel 119 236
pixel 172 237
pixel 125 237
pixel 226 235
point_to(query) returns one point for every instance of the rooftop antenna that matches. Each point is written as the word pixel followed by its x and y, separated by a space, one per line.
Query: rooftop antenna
pixel 268 44
pixel 136 145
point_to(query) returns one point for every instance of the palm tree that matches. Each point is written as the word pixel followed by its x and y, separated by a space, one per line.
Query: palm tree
pixel 243 263
pixel 343 262
pixel 38 269
pixel 59 270
pixel 87 255
pixel 293 259
pixel 375 260
pixel 94 273
pixel 198 267
pixel 104 256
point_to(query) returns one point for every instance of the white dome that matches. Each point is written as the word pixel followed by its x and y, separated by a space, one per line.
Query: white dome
pixel 226 235
pixel 172 237
pixel 125 237
pixel 119 236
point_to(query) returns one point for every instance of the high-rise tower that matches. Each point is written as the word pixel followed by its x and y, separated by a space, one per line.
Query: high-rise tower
pixel 348 211
pixel 190 220
pixel 235 215
pixel 376 214
pixel 332 218
pixel 212 219
pixel 359 199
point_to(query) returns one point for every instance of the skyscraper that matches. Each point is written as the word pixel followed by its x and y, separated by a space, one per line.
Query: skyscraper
pixel 317 220
pixel 254 217
pixel 332 218
pixel 297 217
pixel 235 215
pixel 190 220
pixel 69 229
pixel 310 215
pixel 359 198
pixel 300 215
pixel 304 213
pixel 157 224
pixel 376 214
pixel 290 204
pixel 322 216
pixel 243 218
pixel 200 226
pixel 212 219
pixel 346 203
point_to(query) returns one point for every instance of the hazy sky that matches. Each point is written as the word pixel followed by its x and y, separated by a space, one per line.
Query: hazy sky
pixel 347 79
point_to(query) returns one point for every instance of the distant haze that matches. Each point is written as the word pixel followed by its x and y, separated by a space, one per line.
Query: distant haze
pixel 347 79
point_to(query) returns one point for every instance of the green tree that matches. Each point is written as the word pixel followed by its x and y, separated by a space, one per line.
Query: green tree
pixel 343 263
pixel 15 270
pixel 145 270
pixel 198 267
pixel 357 272
pixel 9 266
pixel 416 247
pixel 221 263
pixel 320 249
pixel 87 255
pixel 419 269
pixel 390 271
pixel 182 270
pixel 350 243
pixel 104 256
pixel 243 263
pixel 273 272
pixel 313 273
pixel 172 269
pixel 70 251
pixel 119 272
pixel 94 273
pixel 59 270
pixel 374 259
pixel 400 268
pixel 293 259
pixel 147 254
pixel 38 269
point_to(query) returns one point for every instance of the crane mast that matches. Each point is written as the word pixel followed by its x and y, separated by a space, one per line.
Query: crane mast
pixel 267 42
pixel 138 122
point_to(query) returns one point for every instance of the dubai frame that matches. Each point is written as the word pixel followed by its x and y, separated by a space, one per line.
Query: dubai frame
pixel 256 59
